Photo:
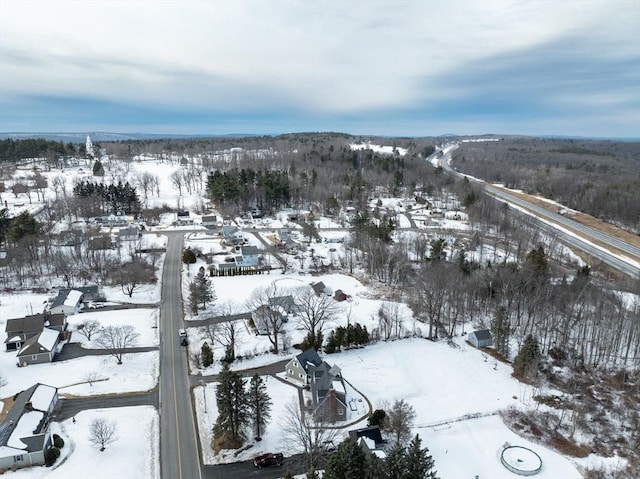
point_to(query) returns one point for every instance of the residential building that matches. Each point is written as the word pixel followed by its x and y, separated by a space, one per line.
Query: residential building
pixel 24 432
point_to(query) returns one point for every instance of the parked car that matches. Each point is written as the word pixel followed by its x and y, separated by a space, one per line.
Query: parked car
pixel 182 333
pixel 269 459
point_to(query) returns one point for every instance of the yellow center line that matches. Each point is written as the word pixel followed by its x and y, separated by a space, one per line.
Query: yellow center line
pixel 175 386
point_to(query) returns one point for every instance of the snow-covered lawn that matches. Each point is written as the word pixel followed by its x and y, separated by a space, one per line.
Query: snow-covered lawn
pixel 472 449
pixel 145 320
pixel 442 383
pixel 138 372
pixel 133 454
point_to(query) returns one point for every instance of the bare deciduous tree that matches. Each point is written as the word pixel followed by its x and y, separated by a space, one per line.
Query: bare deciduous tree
pixel 89 328
pixel 116 339
pixel 270 319
pixel 390 320
pixel 102 433
pixel 314 311
pixel 401 417
pixel 307 431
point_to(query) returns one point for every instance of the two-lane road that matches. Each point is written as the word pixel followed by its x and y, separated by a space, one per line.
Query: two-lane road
pixel 179 458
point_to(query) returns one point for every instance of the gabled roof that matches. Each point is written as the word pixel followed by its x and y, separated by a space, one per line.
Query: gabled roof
pixel 285 302
pixel 249 251
pixel 41 343
pixel 73 298
pixel 373 433
pixel 482 334
pixel 21 430
pixel 319 287
pixel 310 356
pixel 20 328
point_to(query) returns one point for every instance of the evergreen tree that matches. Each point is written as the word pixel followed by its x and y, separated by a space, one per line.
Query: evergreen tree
pixel 98 169
pixel 526 362
pixel 233 407
pixel 438 252
pixel 349 462
pixel 501 331
pixel 206 355
pixel 377 418
pixel 394 464
pixel 418 462
pixel 188 256
pixel 201 292
pixel 259 405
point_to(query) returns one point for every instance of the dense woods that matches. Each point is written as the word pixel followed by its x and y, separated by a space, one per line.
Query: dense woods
pixel 598 177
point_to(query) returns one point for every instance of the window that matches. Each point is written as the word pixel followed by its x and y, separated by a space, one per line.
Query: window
pixel 340 412
pixel 34 357
pixel 19 458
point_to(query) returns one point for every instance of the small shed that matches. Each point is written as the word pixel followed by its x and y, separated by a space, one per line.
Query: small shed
pixel 480 339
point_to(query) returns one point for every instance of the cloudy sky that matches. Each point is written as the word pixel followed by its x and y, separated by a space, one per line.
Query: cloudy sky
pixel 422 67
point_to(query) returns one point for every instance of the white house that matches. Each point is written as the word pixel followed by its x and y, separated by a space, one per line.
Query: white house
pixel 67 304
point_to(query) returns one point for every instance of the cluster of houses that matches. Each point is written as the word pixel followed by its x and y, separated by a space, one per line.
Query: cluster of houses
pixel 36 338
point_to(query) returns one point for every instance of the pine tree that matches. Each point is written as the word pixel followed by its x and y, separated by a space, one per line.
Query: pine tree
pixel 501 331
pixel 394 463
pixel 526 362
pixel 259 405
pixel 349 462
pixel 201 292
pixel 206 355
pixel 233 408
pixel 418 462
pixel 377 418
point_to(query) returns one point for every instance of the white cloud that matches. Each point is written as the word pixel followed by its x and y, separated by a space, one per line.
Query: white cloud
pixel 332 57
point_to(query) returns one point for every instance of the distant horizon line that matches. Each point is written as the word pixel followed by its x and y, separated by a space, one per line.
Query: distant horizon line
pixel 148 135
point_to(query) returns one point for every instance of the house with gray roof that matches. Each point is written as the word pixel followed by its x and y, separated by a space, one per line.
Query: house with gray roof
pixel 480 339
pixel 24 431
pixel 39 349
pixel 325 390
pixel 69 303
pixel 19 330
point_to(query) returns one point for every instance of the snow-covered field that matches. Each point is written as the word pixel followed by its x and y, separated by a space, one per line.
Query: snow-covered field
pixel 133 454
pixel 440 381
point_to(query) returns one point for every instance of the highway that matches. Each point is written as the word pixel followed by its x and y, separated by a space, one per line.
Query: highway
pixel 580 236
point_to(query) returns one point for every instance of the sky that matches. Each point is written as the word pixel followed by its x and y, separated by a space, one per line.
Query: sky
pixel 398 68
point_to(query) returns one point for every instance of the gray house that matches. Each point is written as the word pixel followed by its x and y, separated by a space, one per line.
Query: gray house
pixel 480 339
pixel 326 396
pixel 19 330
pixel 39 349
pixel 24 432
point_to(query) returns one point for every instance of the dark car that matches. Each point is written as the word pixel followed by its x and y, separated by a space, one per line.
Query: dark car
pixel 269 459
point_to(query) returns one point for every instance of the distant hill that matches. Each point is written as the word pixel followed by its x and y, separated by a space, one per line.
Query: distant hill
pixel 75 137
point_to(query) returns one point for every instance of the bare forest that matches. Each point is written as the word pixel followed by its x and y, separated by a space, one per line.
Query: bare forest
pixel 598 177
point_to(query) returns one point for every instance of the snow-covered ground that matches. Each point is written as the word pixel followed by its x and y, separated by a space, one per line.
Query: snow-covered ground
pixel 133 453
pixel 441 382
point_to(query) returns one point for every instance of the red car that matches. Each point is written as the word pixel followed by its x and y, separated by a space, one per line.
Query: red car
pixel 269 459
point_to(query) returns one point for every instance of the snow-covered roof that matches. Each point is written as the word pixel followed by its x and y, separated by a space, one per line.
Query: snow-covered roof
pixel 25 427
pixel 48 338
pixel 42 397
pixel 6 451
pixel 73 298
